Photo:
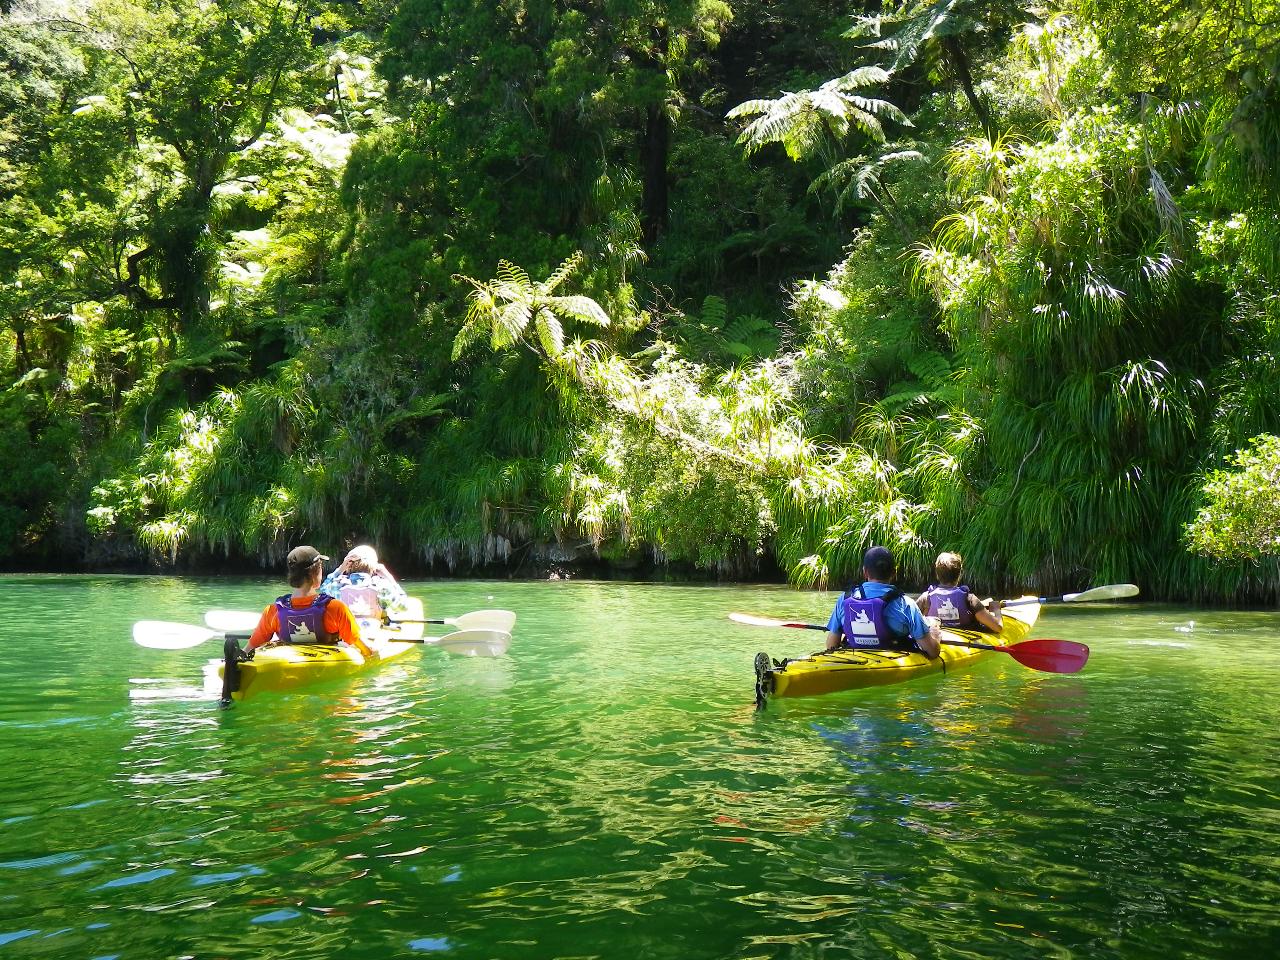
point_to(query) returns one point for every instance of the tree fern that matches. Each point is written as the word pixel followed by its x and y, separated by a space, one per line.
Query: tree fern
pixel 505 308
pixel 811 121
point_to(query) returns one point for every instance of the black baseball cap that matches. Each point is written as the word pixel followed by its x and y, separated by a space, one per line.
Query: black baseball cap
pixel 303 558
pixel 878 562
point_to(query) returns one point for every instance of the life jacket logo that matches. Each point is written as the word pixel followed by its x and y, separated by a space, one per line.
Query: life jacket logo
pixel 362 602
pixel 861 625
pixel 303 635
pixel 948 611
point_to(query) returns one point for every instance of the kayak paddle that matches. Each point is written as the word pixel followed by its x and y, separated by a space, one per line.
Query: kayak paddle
pixel 752 620
pixel 501 620
pixel 162 635
pixel 1051 656
pixel 231 619
pixel 475 643
pixel 1113 591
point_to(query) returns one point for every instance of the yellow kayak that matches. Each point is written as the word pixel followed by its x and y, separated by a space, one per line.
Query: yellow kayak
pixel 848 669
pixel 279 667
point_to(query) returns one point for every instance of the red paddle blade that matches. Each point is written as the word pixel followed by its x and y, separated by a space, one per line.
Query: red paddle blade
pixel 1051 656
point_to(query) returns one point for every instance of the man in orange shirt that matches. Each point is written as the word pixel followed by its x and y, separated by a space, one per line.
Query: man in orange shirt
pixel 304 616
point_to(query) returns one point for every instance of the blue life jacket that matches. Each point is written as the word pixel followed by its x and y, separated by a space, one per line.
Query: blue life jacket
pixel 303 624
pixel 862 621
pixel 950 605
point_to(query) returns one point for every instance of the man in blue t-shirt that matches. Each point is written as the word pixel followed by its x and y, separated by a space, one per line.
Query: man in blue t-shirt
pixel 875 614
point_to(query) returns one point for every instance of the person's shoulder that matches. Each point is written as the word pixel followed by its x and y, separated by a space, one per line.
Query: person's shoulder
pixel 902 601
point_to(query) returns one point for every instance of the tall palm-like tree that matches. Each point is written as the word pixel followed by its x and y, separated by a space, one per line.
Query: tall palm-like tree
pixel 808 121
pixel 948 31
pixel 512 306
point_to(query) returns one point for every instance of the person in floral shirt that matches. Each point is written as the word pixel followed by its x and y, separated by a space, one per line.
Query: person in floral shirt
pixel 365 585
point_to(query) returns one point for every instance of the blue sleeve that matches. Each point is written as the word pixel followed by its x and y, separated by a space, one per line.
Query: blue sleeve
pixel 833 624
pixel 904 616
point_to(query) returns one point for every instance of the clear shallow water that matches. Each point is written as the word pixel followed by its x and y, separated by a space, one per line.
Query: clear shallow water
pixel 607 790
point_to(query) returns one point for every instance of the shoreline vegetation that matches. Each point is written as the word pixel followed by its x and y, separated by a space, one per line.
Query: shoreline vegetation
pixel 728 289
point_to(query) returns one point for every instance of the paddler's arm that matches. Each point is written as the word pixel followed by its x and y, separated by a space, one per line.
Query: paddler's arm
pixel 931 643
pixel 926 633
pixel 988 614
pixel 833 628
pixel 267 626
pixel 338 619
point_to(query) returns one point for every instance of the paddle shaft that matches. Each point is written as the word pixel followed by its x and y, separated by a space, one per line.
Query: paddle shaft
pixel 976 646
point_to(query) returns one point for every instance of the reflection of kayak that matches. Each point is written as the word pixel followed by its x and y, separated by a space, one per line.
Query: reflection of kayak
pixel 279 667
pixel 852 669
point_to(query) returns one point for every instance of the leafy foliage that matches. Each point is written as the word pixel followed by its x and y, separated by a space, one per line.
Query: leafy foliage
pixel 806 122
pixel 241 241
pixel 1242 516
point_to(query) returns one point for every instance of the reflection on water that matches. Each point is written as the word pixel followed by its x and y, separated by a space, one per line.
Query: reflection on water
pixel 608 790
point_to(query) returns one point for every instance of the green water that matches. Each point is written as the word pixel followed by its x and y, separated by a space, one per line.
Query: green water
pixel 607 790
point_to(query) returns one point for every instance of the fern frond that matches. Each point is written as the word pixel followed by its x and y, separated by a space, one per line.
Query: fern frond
pixel 563 272
pixel 510 322
pixel 861 77
pixel 930 367
pixel 714 311
pixel 513 275
pixel 579 308
pixel 550 332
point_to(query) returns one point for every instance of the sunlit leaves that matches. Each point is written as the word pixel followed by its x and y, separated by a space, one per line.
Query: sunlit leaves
pixel 810 121
pixel 1241 518
pixel 505 308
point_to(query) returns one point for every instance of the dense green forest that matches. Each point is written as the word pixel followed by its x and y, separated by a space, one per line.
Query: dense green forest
pixel 723 287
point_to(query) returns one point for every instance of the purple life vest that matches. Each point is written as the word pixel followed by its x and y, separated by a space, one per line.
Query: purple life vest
pixel 862 620
pixel 303 624
pixel 951 605
pixel 363 603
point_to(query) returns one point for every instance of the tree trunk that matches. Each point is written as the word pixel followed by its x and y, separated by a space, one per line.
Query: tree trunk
pixel 23 366
pixel 654 150
pixel 959 63
pixel 656 145
pixel 189 259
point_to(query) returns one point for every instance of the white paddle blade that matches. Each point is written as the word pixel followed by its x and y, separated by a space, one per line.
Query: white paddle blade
pixel 503 621
pixel 161 635
pixel 476 643
pixel 752 620
pixel 234 620
pixel 1112 591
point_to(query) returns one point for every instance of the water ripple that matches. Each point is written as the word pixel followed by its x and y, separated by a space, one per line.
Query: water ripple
pixel 608 790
